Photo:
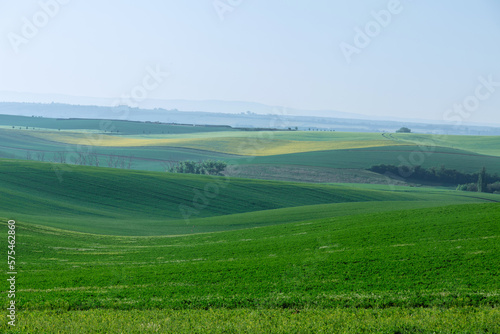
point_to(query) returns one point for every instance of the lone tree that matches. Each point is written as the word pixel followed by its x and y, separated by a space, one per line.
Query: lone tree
pixel 403 130
pixel 481 181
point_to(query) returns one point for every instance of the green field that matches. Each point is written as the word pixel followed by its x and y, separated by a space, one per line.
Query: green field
pixel 111 201
pixel 153 147
pixel 416 258
pixel 315 250
pixel 405 269
pixel 135 250
pixel 96 125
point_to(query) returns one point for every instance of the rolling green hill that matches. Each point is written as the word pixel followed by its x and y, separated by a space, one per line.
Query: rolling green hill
pixel 360 259
pixel 20 144
pixel 112 201
pixel 98 244
pixel 411 270
pixel 391 155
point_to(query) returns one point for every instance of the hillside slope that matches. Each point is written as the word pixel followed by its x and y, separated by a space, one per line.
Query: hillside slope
pixel 125 202
pixel 442 257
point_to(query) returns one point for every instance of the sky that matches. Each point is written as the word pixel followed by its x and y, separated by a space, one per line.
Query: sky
pixel 436 60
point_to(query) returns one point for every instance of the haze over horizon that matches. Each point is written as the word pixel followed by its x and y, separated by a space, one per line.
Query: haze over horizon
pixel 404 59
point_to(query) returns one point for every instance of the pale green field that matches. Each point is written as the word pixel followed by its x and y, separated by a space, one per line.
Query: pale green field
pixel 489 145
pixel 267 143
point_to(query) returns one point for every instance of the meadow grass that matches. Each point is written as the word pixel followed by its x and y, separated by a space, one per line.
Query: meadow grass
pixel 355 321
pixel 432 270
pixel 432 257
pixel 378 260
pixel 104 250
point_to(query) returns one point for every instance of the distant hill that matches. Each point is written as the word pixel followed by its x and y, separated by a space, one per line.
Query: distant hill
pixel 280 119
pixel 212 106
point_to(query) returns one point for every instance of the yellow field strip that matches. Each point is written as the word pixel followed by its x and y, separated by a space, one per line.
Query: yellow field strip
pixel 230 145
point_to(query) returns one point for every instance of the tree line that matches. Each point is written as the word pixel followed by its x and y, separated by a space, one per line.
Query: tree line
pixel 82 159
pixel 480 182
pixel 208 167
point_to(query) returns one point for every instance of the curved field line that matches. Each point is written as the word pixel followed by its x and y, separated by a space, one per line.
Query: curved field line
pixel 229 145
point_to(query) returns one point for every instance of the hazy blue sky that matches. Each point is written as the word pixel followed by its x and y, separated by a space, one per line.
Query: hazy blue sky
pixel 421 61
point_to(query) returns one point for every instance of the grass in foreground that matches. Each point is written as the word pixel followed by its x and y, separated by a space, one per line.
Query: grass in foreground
pixel 355 321
pixel 438 257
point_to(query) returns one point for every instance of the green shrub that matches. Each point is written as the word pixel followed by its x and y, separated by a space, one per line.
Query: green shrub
pixel 209 167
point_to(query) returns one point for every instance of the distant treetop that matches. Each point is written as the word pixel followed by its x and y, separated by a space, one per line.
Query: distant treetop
pixel 403 130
